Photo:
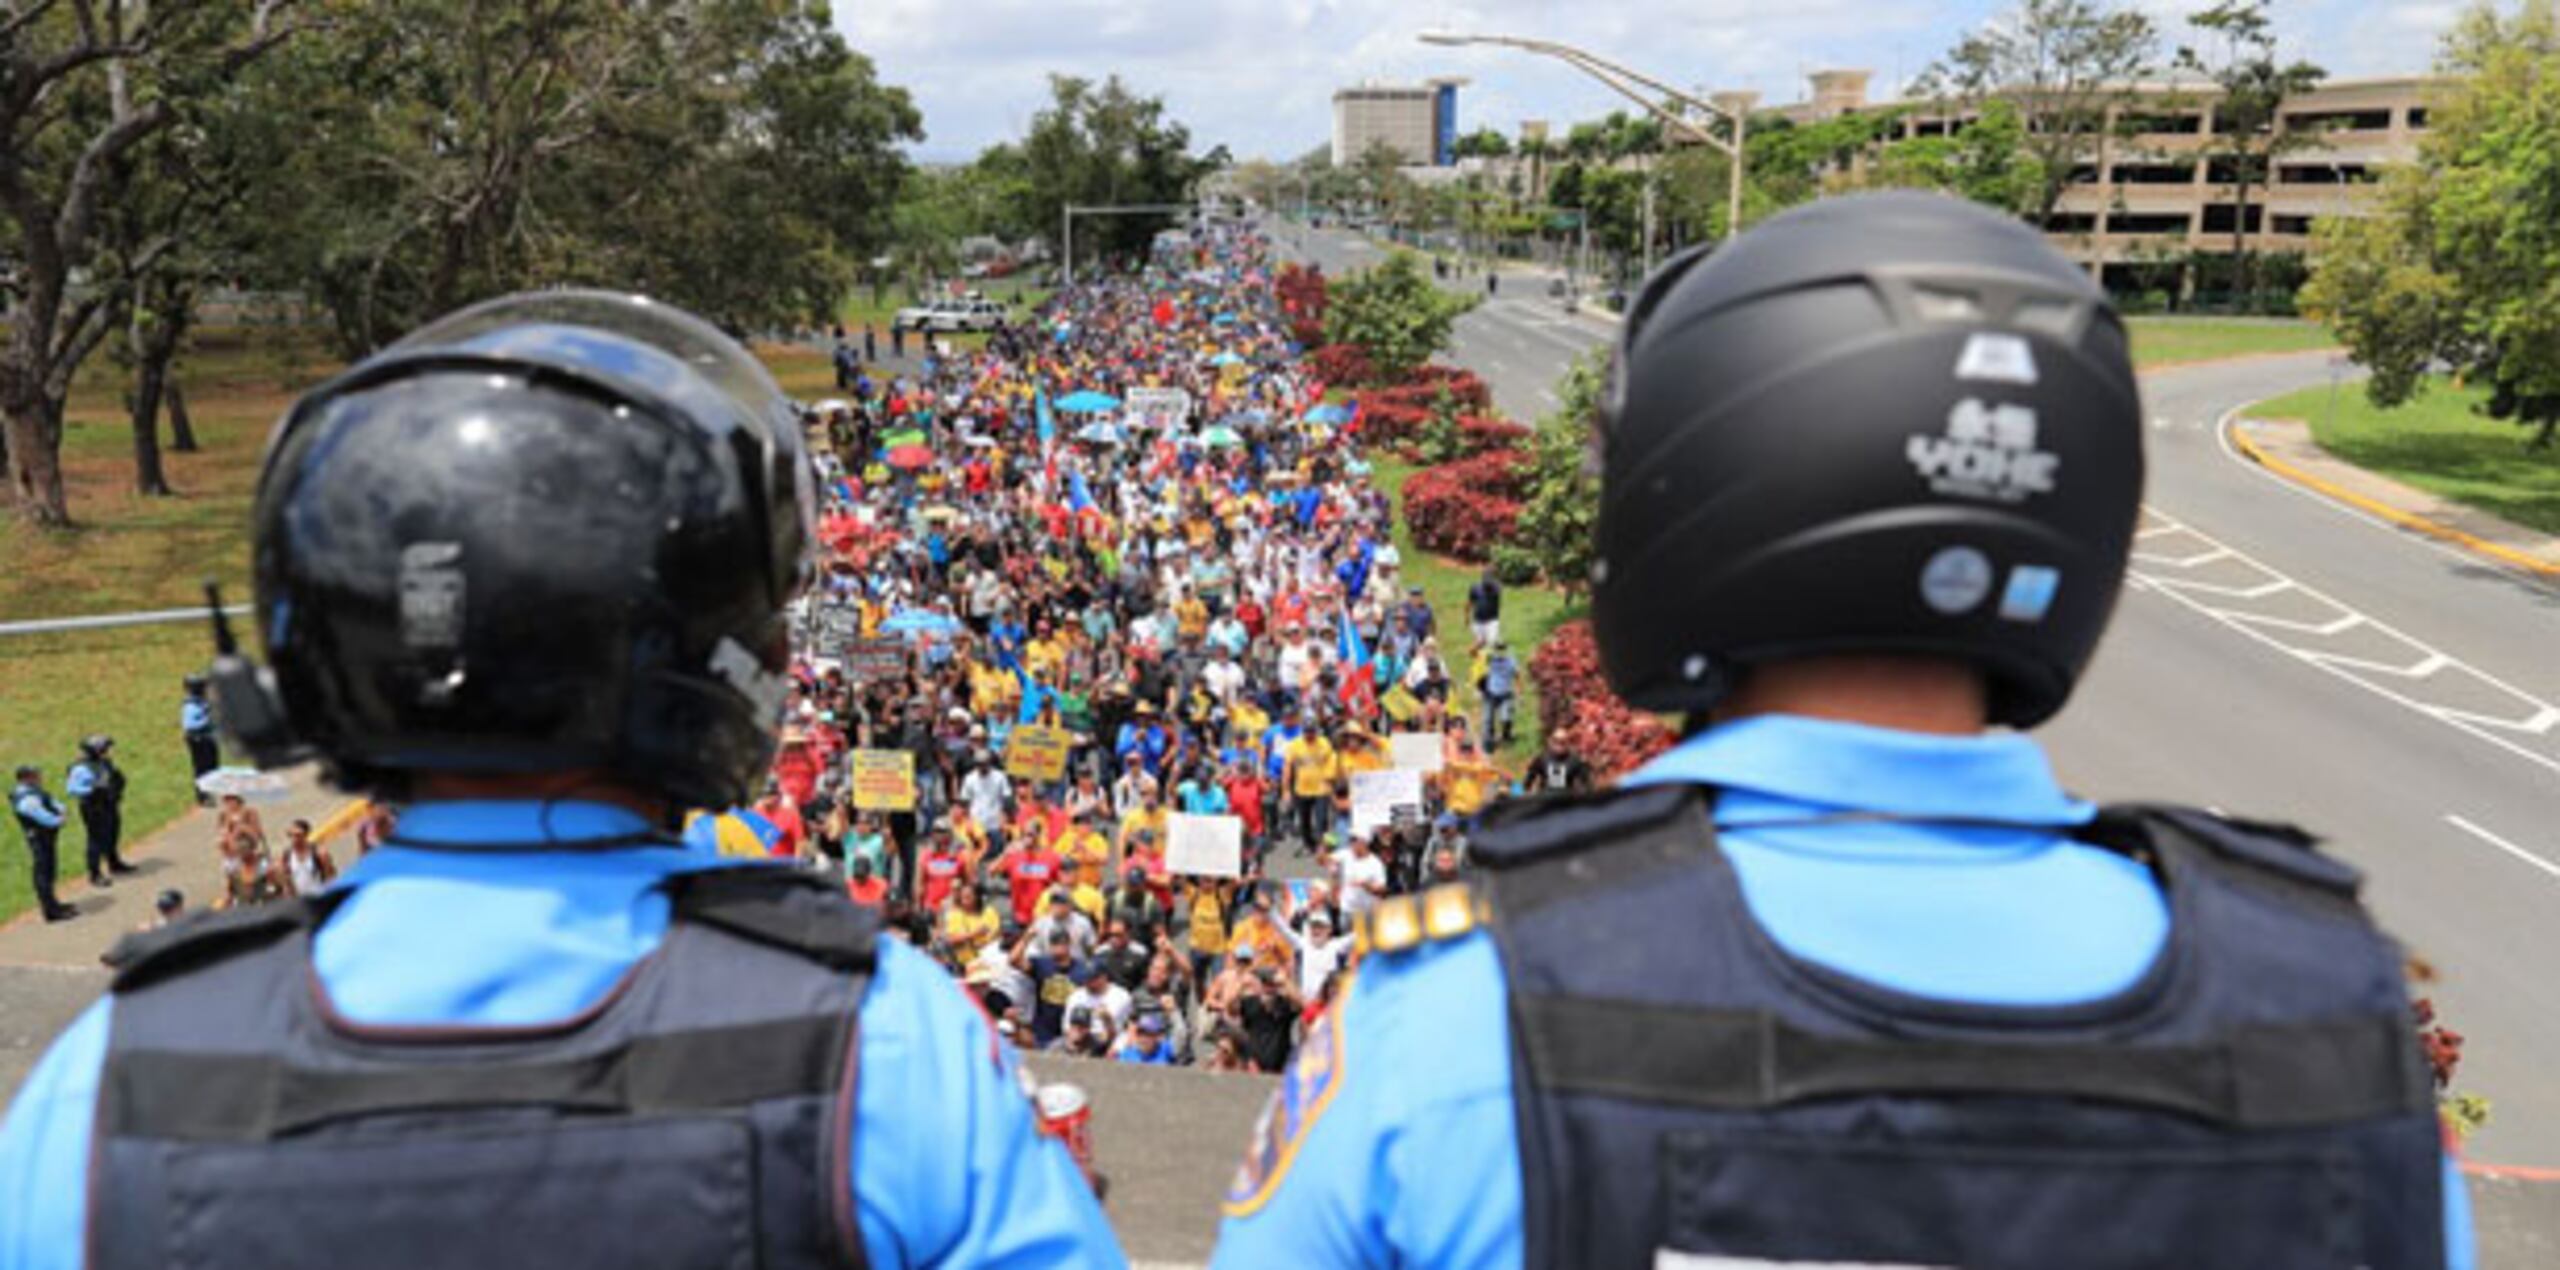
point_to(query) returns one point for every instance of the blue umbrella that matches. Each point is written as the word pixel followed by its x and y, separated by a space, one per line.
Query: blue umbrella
pixel 1225 359
pixel 1100 434
pixel 1087 402
pixel 1330 412
pixel 920 624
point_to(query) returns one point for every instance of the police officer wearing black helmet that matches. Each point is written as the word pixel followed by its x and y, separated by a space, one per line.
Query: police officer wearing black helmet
pixel 1846 977
pixel 524 573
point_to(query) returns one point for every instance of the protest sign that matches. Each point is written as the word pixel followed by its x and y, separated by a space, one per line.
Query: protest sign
pixel 883 780
pixel 1157 407
pixel 1376 795
pixel 1038 753
pixel 874 660
pixel 1417 751
pixel 1204 846
pixel 1400 704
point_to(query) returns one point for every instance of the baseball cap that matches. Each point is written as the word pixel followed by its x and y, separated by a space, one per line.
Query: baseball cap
pixel 1244 952
pixel 1151 1024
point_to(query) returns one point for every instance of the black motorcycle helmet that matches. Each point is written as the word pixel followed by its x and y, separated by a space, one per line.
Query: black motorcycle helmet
pixel 552 532
pixel 1886 423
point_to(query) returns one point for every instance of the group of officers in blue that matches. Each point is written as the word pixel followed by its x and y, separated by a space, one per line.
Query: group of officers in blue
pixel 95 785
pixel 1846 977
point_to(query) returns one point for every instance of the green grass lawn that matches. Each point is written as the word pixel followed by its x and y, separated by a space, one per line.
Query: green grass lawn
pixel 2172 341
pixel 2437 444
pixel 1529 613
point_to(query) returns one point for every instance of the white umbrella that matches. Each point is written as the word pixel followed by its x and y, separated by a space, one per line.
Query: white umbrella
pixel 250 784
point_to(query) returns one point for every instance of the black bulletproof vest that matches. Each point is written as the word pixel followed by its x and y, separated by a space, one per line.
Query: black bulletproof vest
pixel 699 1114
pixel 2257 1100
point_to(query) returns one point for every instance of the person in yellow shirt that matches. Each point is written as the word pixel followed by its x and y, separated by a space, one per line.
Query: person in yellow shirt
pixel 1309 769
pixel 1086 852
pixel 1471 780
pixel 1246 721
pixel 1045 655
pixel 1148 816
pixel 1088 899
pixel 1191 616
pixel 1363 750
pixel 1208 898
pixel 969 924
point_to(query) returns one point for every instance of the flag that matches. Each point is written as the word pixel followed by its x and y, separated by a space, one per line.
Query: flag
pixel 1360 674
pixel 1079 494
pixel 1048 421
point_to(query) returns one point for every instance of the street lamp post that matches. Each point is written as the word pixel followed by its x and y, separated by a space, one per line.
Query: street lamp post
pixel 1633 85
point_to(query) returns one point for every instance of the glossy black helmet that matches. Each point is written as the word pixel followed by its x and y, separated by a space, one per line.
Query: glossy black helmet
pixel 1887 423
pixel 552 532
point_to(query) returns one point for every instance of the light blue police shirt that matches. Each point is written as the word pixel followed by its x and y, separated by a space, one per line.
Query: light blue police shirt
pixel 948 1167
pixel 31 803
pixel 1402 1148
pixel 194 716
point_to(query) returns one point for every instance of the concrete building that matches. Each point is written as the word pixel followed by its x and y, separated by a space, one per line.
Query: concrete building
pixel 2155 194
pixel 1418 122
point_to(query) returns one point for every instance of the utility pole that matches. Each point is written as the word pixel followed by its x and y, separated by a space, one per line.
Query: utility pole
pixel 1645 91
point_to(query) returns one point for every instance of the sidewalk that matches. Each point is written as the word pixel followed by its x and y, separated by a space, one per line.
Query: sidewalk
pixel 2285 447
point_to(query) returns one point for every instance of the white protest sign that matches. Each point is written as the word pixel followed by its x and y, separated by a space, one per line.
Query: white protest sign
pixel 1417 751
pixel 1376 795
pixel 1157 407
pixel 1204 846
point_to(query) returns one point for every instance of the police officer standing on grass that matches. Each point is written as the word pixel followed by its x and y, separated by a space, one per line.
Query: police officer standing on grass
pixel 525 573
pixel 97 784
pixel 1846 977
pixel 39 816
pixel 195 724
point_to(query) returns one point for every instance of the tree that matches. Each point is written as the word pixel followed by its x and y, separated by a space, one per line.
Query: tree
pixel 1989 162
pixel 1104 145
pixel 1486 143
pixel 1562 510
pixel 2460 263
pixel 2241 61
pixel 2066 64
pixel 1394 313
pixel 81 85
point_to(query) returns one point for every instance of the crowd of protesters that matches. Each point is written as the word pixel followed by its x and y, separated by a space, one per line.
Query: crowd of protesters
pixel 1200 592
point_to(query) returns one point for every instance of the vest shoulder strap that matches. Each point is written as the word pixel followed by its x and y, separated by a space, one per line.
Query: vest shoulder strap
pixel 2286 858
pixel 147 957
pixel 784 908
pixel 1521 832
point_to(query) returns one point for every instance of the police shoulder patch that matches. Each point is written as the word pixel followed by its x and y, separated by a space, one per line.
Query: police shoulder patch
pixel 1305 1090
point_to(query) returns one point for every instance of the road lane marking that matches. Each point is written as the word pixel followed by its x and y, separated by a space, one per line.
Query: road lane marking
pixel 2502 844
pixel 2247 595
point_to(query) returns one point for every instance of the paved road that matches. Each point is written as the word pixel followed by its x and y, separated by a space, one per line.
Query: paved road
pixel 2280 656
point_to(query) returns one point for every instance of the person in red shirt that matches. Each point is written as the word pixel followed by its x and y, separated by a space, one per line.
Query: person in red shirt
pixel 1244 797
pixel 1029 870
pixel 785 816
pixel 941 870
pixel 796 768
pixel 1038 819
pixel 1249 612
pixel 866 888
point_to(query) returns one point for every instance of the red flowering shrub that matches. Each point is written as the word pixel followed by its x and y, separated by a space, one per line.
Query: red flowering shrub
pixel 1389 423
pixel 1480 433
pixel 1302 297
pixel 1462 509
pixel 1342 365
pixel 1426 388
pixel 1576 708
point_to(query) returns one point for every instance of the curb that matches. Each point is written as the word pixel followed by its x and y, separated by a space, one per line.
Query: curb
pixel 2507 556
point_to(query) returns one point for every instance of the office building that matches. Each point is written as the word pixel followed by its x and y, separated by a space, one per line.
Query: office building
pixel 1419 123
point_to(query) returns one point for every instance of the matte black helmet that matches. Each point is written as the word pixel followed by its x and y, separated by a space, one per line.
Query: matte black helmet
pixel 1887 423
pixel 552 532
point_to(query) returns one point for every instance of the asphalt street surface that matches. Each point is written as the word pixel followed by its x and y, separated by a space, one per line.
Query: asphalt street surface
pixel 2280 657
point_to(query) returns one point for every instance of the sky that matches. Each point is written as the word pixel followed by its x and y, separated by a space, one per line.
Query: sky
pixel 1258 75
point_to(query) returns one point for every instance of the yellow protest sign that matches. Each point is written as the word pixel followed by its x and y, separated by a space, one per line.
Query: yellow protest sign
pixel 1400 704
pixel 1038 753
pixel 884 780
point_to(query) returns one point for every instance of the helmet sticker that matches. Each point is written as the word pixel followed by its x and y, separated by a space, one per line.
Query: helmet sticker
pixel 1998 358
pixel 2030 593
pixel 740 670
pixel 1956 580
pixel 430 595
pixel 1988 452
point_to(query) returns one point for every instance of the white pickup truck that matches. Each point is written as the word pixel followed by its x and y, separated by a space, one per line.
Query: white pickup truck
pixel 950 315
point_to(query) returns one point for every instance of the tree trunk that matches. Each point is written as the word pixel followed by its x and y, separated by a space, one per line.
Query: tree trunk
pixel 149 479
pixel 182 430
pixel 35 462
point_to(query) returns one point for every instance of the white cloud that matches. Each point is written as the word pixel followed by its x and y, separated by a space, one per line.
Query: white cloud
pixel 1258 75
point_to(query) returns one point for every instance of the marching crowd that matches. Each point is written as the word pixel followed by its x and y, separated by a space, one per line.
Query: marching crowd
pixel 1120 565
